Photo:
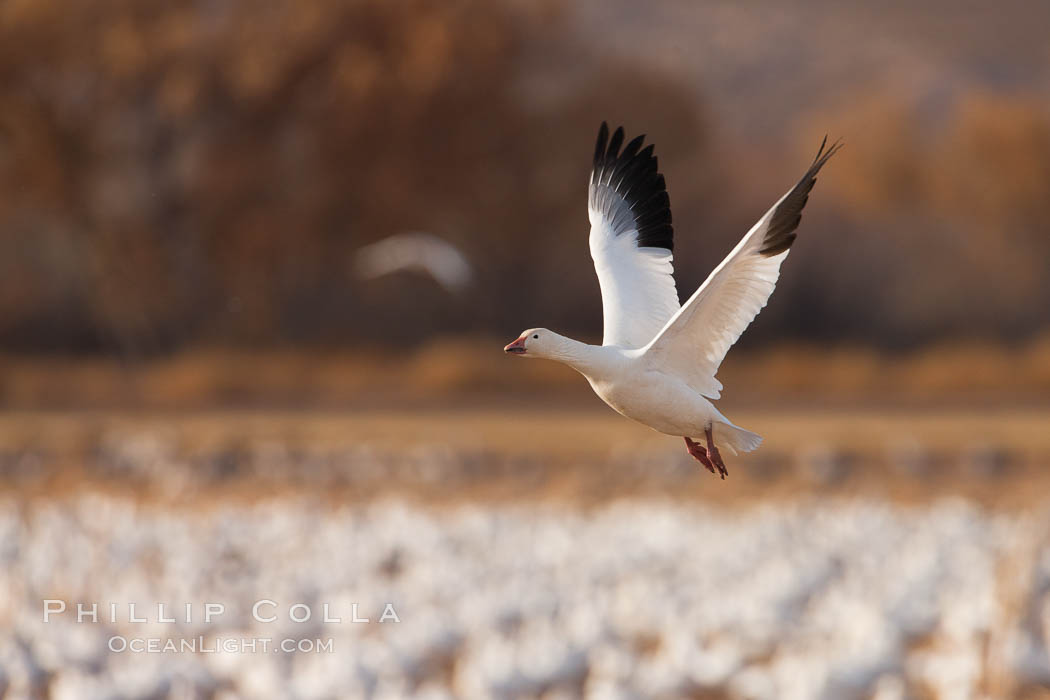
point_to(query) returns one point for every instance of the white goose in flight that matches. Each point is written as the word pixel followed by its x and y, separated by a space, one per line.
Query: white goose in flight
pixel 657 361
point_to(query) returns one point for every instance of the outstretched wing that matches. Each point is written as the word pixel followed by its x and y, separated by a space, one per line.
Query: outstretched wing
pixel 695 341
pixel 631 240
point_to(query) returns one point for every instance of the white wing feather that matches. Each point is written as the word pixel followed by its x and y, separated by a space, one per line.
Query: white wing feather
pixel 638 290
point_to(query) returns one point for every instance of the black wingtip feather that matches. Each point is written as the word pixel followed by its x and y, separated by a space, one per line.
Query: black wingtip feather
pixel 615 142
pixel 781 232
pixel 634 175
pixel 603 138
pixel 631 149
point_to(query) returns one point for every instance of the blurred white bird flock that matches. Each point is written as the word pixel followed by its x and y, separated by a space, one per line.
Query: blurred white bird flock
pixel 416 251
pixel 658 360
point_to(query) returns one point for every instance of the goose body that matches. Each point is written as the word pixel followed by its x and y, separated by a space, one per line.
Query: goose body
pixel 658 360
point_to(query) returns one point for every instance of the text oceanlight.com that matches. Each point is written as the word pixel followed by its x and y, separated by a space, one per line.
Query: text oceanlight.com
pixel 229 645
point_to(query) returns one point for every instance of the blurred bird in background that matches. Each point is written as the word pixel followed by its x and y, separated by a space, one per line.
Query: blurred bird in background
pixel 419 252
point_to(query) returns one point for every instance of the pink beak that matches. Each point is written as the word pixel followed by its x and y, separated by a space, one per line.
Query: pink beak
pixel 517 347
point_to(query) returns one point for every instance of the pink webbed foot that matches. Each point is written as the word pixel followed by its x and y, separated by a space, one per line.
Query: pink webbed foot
pixel 699 453
pixel 713 453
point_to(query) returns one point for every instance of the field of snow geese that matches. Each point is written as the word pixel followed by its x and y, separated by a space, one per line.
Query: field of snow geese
pixel 803 599
pixel 263 557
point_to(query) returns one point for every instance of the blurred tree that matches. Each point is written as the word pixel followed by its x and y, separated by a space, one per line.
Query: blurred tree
pixel 177 171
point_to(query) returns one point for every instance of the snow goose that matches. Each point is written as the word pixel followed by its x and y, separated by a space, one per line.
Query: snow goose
pixel 657 361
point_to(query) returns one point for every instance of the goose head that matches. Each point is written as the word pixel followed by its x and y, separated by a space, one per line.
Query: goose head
pixel 535 342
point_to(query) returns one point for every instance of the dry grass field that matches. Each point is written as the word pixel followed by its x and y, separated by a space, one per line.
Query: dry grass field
pixel 474 370
pixel 993 456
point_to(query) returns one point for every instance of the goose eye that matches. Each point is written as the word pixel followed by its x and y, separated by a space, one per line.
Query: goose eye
pixel 536 336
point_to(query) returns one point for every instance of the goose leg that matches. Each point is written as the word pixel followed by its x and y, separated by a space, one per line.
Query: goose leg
pixel 699 453
pixel 713 455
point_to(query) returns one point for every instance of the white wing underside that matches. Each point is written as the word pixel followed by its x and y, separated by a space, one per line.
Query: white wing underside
pixel 692 345
pixel 638 290
pixel 694 341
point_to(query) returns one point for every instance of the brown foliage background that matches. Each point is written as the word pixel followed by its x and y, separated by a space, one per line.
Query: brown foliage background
pixel 177 174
